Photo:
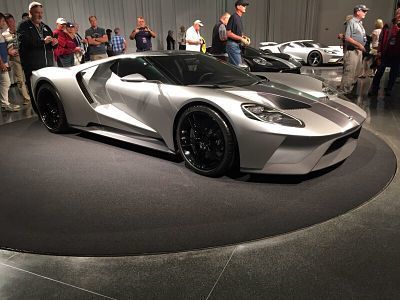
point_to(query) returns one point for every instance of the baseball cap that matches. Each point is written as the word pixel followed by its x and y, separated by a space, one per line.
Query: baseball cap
pixel 61 21
pixel 360 7
pixel 198 22
pixel 34 4
pixel 70 24
pixel 241 2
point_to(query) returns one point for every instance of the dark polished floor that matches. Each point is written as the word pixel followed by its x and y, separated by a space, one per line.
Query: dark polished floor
pixel 353 256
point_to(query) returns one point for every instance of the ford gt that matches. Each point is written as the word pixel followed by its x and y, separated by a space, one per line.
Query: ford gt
pixel 216 116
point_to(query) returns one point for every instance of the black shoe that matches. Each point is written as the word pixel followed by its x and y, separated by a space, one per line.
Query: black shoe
pixel 388 92
pixel 372 93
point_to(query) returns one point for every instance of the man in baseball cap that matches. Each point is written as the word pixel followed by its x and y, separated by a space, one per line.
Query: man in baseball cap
pixel 355 39
pixel 242 3
pixel 235 33
pixel 193 38
pixel 61 23
pixel 360 7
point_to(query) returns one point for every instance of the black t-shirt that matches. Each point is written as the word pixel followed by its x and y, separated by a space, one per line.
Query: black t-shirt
pixel 170 43
pixel 218 46
pixel 143 40
pixel 235 25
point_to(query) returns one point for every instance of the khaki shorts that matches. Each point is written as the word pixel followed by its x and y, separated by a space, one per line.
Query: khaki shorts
pixel 98 56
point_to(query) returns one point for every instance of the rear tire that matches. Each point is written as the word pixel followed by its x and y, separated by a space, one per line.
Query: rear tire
pixel 205 141
pixel 50 109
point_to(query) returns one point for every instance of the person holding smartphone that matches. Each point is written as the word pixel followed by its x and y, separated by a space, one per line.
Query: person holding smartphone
pixel 142 34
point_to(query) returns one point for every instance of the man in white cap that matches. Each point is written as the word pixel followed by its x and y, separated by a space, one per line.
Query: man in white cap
pixel 355 39
pixel 36 44
pixel 61 23
pixel 193 38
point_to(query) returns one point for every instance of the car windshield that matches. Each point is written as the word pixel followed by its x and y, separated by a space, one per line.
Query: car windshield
pixel 313 44
pixel 200 69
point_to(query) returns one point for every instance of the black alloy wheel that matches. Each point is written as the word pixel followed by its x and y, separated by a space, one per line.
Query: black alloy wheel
pixel 205 141
pixel 51 110
pixel 314 59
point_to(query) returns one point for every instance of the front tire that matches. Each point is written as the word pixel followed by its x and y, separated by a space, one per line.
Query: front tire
pixel 205 141
pixel 51 110
pixel 314 59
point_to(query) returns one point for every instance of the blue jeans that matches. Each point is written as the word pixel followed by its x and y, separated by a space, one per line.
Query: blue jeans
pixel 234 53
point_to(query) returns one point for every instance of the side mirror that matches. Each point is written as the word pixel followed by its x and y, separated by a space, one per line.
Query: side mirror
pixel 134 78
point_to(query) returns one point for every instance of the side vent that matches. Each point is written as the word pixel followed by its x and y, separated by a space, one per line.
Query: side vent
pixel 79 78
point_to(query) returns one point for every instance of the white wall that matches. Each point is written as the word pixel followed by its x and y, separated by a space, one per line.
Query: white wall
pixel 333 13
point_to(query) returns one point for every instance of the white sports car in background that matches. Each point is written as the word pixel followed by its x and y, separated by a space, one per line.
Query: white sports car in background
pixel 306 51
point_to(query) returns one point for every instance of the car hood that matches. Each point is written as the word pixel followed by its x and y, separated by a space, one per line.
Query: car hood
pixel 290 98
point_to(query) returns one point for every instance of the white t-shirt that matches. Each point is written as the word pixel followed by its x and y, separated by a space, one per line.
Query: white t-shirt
pixel 193 35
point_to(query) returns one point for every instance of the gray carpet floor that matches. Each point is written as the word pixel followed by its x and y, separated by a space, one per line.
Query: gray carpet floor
pixel 74 195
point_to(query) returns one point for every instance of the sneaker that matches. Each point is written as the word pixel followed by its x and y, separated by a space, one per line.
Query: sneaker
pixel 27 101
pixel 361 76
pixel 12 107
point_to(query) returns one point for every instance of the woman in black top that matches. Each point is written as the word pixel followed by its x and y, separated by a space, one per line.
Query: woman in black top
pixel 170 40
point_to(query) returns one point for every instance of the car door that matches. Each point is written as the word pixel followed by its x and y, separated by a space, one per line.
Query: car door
pixel 135 90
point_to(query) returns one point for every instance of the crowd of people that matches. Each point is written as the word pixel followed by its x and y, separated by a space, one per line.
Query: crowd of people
pixel 33 45
pixel 369 55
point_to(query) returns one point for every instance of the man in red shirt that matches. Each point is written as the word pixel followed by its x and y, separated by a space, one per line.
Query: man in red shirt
pixel 61 23
pixel 389 51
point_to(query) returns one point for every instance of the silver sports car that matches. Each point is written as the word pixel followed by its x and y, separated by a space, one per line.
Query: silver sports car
pixel 216 116
pixel 306 51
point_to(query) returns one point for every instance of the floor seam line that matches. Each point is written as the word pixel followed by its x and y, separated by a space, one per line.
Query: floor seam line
pixel 12 256
pixel 220 275
pixel 57 281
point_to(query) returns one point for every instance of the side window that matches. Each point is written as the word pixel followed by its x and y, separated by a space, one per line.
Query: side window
pixel 128 66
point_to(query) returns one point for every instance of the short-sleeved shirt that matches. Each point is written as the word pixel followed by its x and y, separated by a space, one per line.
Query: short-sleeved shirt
pixel 356 31
pixel 96 33
pixel 117 43
pixel 143 40
pixel 192 35
pixel 235 25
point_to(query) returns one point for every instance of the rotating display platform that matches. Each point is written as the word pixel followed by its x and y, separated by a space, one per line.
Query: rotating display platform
pixel 78 194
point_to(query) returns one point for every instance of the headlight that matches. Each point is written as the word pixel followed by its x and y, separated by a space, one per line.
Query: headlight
pixel 260 61
pixel 329 52
pixel 270 115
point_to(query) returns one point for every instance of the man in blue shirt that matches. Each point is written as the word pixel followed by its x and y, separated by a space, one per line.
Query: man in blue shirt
pixel 142 34
pixel 234 31
pixel 355 39
pixel 118 43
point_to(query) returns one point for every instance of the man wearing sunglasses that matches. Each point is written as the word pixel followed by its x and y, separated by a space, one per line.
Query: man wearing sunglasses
pixel 355 38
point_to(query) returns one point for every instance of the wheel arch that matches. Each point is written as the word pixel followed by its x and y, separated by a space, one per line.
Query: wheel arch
pixel 218 110
pixel 40 83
